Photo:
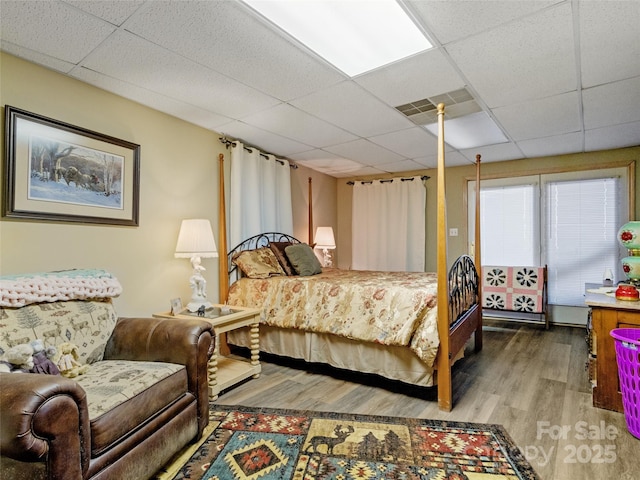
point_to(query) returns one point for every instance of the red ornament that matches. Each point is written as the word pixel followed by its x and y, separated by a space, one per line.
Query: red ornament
pixel 626 236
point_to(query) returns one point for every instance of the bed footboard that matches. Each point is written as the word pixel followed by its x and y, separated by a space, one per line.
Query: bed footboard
pixel 463 288
pixel 465 319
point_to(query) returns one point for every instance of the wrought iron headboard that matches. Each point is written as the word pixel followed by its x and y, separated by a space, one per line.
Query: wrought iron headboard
pixel 257 241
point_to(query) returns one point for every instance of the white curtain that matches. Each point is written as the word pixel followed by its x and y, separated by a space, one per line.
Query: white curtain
pixel 260 195
pixel 388 226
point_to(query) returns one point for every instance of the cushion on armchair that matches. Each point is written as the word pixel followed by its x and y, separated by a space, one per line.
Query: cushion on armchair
pixel 87 324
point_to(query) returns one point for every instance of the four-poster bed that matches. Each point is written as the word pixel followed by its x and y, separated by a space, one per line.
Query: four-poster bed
pixel 404 336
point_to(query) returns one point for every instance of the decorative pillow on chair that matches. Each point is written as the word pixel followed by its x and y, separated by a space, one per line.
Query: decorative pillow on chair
pixel 303 259
pixel 258 263
pixel 278 250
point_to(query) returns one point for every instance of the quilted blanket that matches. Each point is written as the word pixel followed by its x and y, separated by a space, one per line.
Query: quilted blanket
pixel 390 308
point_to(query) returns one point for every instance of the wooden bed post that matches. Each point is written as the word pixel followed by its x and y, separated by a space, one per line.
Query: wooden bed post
pixel 445 392
pixel 223 275
pixel 477 259
pixel 310 213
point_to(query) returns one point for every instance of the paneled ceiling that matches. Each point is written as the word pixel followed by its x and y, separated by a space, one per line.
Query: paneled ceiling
pixel 557 77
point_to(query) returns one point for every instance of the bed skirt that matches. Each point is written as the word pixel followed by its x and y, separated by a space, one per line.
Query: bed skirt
pixel 392 362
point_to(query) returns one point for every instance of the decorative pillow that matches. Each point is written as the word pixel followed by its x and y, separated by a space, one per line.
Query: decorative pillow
pixel 278 250
pixel 258 263
pixel 303 259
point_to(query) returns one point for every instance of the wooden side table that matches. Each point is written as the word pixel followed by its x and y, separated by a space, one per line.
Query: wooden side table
pixel 225 372
pixel 607 313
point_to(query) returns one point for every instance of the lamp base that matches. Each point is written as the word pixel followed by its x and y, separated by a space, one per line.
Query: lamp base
pixel 326 258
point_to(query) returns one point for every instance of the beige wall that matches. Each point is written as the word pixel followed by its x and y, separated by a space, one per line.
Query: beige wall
pixel 178 179
pixel 456 183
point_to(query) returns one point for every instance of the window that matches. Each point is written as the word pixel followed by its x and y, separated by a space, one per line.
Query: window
pixel 582 218
pixel 566 221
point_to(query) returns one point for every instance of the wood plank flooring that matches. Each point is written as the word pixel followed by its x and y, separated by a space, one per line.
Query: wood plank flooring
pixel 531 381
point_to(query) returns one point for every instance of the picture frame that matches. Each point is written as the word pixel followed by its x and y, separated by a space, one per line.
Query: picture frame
pixel 176 306
pixel 58 172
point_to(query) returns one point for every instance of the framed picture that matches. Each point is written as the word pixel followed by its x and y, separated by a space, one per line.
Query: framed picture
pixel 54 171
pixel 176 306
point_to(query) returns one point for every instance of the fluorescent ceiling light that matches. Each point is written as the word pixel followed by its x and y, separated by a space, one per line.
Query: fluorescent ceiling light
pixel 354 35
pixel 470 131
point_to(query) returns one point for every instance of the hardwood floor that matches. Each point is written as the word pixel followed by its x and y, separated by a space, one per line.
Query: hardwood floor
pixel 531 381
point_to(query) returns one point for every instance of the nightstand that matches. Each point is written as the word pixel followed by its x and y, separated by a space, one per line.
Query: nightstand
pixel 225 372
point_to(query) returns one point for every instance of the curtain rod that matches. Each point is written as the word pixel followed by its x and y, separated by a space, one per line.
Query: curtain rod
pixel 228 143
pixel 389 180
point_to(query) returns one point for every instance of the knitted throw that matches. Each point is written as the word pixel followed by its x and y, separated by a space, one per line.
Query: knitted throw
pixel 21 290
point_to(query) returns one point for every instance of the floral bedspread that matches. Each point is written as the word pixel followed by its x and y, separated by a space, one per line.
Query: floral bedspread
pixel 390 308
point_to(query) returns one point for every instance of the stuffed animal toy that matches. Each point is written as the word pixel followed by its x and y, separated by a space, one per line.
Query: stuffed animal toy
pixel 68 363
pixel 42 356
pixel 19 358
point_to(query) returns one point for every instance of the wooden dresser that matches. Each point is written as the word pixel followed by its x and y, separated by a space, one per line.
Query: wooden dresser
pixel 607 313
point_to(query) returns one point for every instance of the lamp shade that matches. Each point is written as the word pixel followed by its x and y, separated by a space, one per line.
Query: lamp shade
pixel 196 239
pixel 324 238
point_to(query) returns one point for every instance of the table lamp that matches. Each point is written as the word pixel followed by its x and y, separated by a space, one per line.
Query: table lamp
pixel 324 240
pixel 195 241
pixel 629 237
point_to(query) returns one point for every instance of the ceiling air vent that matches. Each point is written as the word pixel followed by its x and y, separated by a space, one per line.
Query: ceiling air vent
pixel 457 103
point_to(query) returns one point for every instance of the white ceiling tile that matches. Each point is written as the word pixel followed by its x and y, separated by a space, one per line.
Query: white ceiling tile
pixel 612 103
pixel 420 76
pixel 295 124
pixel 411 143
pixel 616 136
pixel 453 20
pixel 113 11
pixel 364 152
pixel 365 172
pixel 37 57
pixel 322 157
pixel 454 159
pixel 609 37
pixel 555 145
pixel 526 59
pixel 52 28
pixel 541 118
pixel 131 59
pixel 494 153
pixel 185 111
pixel 265 141
pixel 219 65
pixel 350 107
pixel 401 166
pixel 336 164
pixel 227 37
pixel 428 161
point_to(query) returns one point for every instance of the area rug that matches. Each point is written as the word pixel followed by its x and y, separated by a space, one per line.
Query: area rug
pixel 266 444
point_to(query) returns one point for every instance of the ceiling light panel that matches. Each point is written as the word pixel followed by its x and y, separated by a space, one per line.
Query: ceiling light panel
pixel 348 34
pixel 470 131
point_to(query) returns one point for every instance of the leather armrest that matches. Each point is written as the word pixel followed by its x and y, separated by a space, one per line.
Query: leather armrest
pixel 185 342
pixel 45 418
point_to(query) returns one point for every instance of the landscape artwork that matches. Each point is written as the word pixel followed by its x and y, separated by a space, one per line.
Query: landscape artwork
pixel 58 172
pixel 66 173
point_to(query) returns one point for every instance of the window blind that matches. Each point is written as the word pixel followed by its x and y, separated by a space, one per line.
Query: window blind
pixel 509 225
pixel 582 220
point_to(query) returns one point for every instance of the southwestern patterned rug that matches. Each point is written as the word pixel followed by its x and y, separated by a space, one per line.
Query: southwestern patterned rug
pixel 267 444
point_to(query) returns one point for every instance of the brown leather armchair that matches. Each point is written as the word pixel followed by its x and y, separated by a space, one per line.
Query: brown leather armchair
pixel 49 430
